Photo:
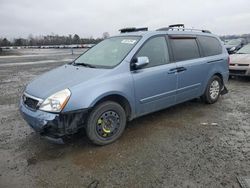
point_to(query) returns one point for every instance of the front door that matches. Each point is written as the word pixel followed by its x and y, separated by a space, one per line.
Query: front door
pixel 155 85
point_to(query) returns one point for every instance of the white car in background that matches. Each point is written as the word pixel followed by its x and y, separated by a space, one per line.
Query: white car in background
pixel 240 62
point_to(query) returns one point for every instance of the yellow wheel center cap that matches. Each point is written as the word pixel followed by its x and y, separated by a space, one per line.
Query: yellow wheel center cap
pixel 106 130
pixel 105 125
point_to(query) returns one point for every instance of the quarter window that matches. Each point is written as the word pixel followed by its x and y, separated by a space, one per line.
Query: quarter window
pixel 210 45
pixel 184 49
pixel 156 50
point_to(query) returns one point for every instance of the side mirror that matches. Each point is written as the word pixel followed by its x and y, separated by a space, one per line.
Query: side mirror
pixel 140 62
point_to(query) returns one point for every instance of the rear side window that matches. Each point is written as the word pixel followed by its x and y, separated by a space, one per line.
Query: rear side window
pixel 184 48
pixel 156 50
pixel 210 45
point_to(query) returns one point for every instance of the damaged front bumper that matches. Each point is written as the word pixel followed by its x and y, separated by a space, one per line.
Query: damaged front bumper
pixel 53 125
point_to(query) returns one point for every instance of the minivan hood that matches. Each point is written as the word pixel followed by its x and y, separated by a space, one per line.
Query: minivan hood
pixel 61 78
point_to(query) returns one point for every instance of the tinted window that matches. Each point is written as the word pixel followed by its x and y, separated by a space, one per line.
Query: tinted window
pixel 184 49
pixel 156 50
pixel 210 45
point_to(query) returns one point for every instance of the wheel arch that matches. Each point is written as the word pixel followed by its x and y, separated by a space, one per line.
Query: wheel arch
pixel 120 99
pixel 220 76
pixel 209 77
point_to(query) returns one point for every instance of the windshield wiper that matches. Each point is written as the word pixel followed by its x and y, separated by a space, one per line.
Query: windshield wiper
pixel 240 53
pixel 84 64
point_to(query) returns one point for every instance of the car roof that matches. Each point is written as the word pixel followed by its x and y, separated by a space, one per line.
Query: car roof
pixel 169 32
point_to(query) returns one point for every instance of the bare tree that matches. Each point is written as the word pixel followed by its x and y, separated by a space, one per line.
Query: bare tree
pixel 49 40
pixel 4 42
pixel 105 35
pixel 76 39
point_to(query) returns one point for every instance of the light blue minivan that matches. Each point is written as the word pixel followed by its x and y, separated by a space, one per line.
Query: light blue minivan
pixel 125 77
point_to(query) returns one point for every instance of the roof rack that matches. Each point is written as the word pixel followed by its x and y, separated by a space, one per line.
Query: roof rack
pixel 177 25
pixel 180 27
pixel 133 29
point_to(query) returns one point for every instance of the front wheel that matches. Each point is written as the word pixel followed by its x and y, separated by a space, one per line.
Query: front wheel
pixel 213 90
pixel 106 123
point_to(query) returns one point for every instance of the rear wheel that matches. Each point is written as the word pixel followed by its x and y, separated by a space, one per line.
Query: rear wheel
pixel 213 90
pixel 106 123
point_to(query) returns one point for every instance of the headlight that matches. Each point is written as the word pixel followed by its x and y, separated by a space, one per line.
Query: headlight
pixel 56 102
pixel 232 49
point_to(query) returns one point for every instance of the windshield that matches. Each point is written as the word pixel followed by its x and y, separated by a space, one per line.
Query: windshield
pixel 244 50
pixel 234 42
pixel 108 53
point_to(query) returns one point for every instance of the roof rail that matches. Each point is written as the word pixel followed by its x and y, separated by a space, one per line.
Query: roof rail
pixel 177 25
pixel 181 27
pixel 133 29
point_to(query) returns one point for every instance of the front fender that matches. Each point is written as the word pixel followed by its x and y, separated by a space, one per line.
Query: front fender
pixel 109 94
pixel 87 95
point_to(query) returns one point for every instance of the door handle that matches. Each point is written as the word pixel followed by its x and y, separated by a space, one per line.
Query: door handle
pixel 181 69
pixel 175 70
pixel 172 71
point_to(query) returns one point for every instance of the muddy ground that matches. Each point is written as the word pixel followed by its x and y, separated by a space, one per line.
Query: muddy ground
pixel 189 145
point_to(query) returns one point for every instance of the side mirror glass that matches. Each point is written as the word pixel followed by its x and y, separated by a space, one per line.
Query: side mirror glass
pixel 141 62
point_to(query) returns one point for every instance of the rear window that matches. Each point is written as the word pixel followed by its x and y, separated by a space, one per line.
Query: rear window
pixel 210 45
pixel 184 48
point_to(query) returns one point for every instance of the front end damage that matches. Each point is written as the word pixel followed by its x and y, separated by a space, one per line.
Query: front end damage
pixel 53 125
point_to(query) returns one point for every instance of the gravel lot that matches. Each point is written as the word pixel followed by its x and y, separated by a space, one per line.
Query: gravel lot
pixel 189 145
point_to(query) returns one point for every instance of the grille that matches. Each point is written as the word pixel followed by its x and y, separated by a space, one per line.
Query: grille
pixel 237 72
pixel 243 65
pixel 30 102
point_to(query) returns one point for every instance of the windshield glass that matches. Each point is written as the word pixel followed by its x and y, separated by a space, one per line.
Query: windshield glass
pixel 244 50
pixel 234 42
pixel 108 53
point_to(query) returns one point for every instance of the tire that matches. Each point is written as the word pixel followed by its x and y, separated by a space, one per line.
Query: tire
pixel 213 90
pixel 106 123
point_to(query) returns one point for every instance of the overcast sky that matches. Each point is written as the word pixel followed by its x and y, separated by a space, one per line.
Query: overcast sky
pixel 19 18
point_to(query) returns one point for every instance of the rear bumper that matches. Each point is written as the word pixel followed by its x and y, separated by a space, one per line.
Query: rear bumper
pixel 54 125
